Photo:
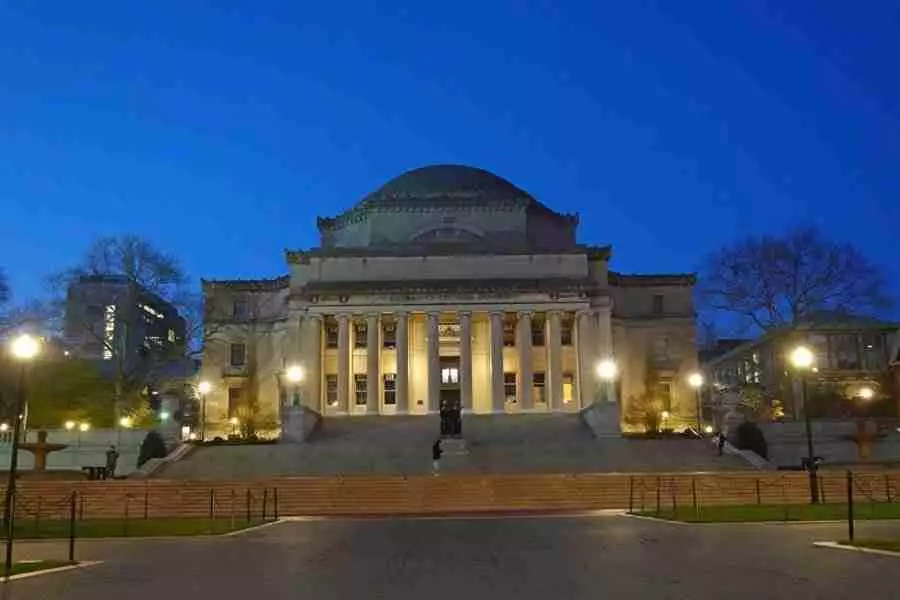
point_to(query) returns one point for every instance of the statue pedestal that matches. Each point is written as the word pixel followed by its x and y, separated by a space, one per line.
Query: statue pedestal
pixel 297 424
pixel 604 419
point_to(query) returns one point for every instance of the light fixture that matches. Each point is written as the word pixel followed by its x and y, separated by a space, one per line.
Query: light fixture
pixel 25 347
pixel 664 414
pixel 70 425
pixel 607 369
pixel 708 429
pixel 234 420
pixel 126 422
pixel 84 426
pixel 802 357
pixel 164 416
pixel 866 393
pixel 695 380
pixel 192 436
pixel 4 427
pixel 295 373
pixel 204 387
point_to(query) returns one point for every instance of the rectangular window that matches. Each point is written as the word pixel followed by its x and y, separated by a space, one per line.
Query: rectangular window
pixel 240 310
pixel 845 351
pixel 238 355
pixel 658 306
pixel 449 375
pixel 362 389
pixel 360 332
pixel 664 394
pixel 538 381
pixel 331 387
pixel 509 387
pixel 568 388
pixel 390 389
pixel 235 397
pixel 331 334
pixel 565 332
pixel 509 333
pixel 390 335
pixel 537 332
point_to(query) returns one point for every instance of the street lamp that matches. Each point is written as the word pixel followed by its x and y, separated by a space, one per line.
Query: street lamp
pixel 204 388
pixel 607 371
pixel 695 380
pixel 802 359
pixel 295 375
pixel 234 423
pixel 866 393
pixel 70 425
pixel 24 348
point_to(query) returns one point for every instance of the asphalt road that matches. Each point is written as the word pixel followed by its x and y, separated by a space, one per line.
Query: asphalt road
pixel 468 559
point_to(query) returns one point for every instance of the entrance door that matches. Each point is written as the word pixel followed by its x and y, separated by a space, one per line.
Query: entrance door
pixel 451 398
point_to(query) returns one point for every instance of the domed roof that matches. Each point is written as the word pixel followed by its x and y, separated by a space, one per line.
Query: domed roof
pixel 446 181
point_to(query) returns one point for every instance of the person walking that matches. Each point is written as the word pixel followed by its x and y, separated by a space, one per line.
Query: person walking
pixel 721 442
pixel 112 457
pixel 436 452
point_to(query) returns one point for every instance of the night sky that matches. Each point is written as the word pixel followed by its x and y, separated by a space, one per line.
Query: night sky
pixel 221 130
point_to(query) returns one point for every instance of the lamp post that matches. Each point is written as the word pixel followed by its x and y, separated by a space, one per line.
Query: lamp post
pixel 295 376
pixel 24 348
pixel 802 359
pixel 234 423
pixel 607 371
pixel 203 387
pixel 695 380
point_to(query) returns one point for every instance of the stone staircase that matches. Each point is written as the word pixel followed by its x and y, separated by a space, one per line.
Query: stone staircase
pixel 401 445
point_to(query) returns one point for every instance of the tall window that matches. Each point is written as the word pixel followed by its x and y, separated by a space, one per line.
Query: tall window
pixel 331 334
pixel 389 334
pixel 238 355
pixel 565 331
pixel 331 389
pixel 360 332
pixel 449 375
pixel 568 387
pixel 240 310
pixel 362 389
pixel 235 397
pixel 509 333
pixel 109 331
pixel 390 389
pixel 658 306
pixel 537 387
pixel 537 332
pixel 509 387
pixel 664 394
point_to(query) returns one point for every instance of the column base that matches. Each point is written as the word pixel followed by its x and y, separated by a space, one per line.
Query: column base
pixel 604 419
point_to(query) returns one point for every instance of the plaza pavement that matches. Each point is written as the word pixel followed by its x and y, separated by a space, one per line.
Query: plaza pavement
pixel 402 445
pixel 498 558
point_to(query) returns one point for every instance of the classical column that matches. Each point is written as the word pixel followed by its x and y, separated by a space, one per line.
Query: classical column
pixel 434 362
pixel 465 359
pixel 402 383
pixel 312 353
pixel 497 393
pixel 373 354
pixel 554 360
pixel 525 383
pixel 587 358
pixel 343 360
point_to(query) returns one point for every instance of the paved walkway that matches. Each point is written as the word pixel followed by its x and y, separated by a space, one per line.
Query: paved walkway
pixel 498 444
pixel 500 559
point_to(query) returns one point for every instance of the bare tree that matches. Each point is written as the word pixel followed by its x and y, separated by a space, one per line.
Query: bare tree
pixel 144 269
pixel 772 281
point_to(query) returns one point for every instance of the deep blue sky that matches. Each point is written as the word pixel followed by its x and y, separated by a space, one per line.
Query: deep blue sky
pixel 221 130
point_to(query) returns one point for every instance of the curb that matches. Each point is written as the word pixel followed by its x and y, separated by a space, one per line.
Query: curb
pixel 471 515
pixel 248 529
pixel 861 549
pixel 80 565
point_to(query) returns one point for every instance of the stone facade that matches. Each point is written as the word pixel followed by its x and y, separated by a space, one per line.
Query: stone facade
pixel 448 284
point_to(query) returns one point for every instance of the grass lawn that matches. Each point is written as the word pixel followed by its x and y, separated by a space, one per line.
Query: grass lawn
pixel 93 528
pixel 37 565
pixel 876 543
pixel 763 512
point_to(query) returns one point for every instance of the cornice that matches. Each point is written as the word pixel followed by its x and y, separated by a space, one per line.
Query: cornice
pixel 652 280
pixel 248 285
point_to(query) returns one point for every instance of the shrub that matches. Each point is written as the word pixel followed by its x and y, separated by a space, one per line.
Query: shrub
pixel 749 436
pixel 153 446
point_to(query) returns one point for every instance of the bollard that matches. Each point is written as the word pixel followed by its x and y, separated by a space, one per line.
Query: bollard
pixel 850 528
pixel 72 526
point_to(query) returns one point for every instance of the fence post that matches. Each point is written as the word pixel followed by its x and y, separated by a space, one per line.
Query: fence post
pixel 72 526
pixel 275 501
pixel 125 526
pixel 146 502
pixel 249 500
pixel 658 486
pixel 631 494
pixel 265 502
pixel 850 530
pixel 758 494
